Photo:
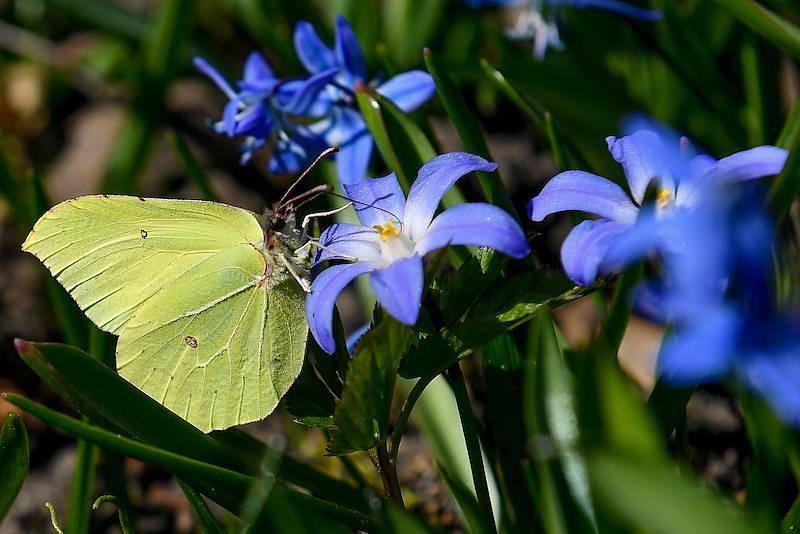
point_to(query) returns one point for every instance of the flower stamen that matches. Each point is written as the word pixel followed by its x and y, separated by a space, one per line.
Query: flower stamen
pixel 387 230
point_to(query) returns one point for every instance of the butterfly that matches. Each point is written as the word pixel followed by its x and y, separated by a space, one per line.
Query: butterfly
pixel 208 300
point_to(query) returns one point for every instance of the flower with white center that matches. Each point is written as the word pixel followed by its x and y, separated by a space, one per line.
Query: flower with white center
pixel 396 233
pixel 648 156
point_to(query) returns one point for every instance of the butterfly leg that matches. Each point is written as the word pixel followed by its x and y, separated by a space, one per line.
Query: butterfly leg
pixel 314 242
pixel 307 219
pixel 293 271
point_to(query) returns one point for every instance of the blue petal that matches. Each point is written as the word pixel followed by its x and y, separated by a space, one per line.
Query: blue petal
pixel 346 124
pixel 355 337
pixel 377 200
pixel 320 302
pixel 645 158
pixel 398 288
pixel 409 90
pixel 619 7
pixel 352 160
pixel 257 70
pixel 255 122
pixel 433 180
pixel 313 53
pixel 320 106
pixel 229 117
pixel 702 351
pixel 343 240
pixel 307 95
pixel 775 375
pixel 292 154
pixel 477 224
pixel 348 52
pixel 583 191
pixel 209 70
pixel 749 164
pixel 583 253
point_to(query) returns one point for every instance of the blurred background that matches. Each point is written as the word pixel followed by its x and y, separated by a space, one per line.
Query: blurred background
pixel 101 96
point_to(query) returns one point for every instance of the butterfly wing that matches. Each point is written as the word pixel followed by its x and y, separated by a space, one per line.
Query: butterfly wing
pixel 217 358
pixel 209 325
pixel 112 253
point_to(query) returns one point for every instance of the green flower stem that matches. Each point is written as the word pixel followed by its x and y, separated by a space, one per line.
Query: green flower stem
pixel 473 443
pixel 405 413
pixel 620 311
pixel 387 467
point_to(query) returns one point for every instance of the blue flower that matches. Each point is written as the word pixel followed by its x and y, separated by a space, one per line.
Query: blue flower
pixel 648 156
pixel 538 21
pixel 396 233
pixel 719 294
pixel 261 112
pixel 343 125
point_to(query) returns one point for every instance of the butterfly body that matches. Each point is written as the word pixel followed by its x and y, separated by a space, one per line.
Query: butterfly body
pixel 207 302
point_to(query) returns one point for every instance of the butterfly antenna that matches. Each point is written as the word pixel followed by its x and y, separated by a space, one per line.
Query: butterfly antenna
pixel 324 154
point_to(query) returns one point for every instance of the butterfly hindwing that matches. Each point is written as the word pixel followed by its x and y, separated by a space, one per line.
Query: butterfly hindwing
pixel 211 325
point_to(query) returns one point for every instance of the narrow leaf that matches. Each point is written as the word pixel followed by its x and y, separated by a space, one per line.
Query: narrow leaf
pixel 371 111
pixel 654 498
pixel 14 458
pixel 766 23
pixel 468 130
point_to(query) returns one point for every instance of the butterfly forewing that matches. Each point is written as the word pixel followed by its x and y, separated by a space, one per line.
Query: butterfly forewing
pixel 210 324
pixel 112 253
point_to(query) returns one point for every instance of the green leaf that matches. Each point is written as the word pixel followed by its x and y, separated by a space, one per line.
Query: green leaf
pixel 791 129
pixel 226 487
pixel 766 23
pixel 668 405
pixel 14 458
pixel 309 401
pixel 654 498
pixel 128 408
pixel 80 495
pixel 786 186
pixel 395 520
pixel 468 130
pixel 361 419
pixel 105 16
pixel 471 510
pixel 204 519
pixel 502 371
pixel 371 111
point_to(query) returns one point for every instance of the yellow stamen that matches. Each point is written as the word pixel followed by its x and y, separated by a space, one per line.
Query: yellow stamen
pixel 387 230
pixel 663 198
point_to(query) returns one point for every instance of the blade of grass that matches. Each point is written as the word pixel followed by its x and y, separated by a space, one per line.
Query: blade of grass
pixel 766 23
pixel 204 518
pixel 371 111
pixel 472 441
pixel 14 460
pixel 469 131
pixel 80 495
pixel 226 487
pixel 786 186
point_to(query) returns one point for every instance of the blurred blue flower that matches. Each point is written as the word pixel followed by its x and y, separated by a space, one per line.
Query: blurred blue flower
pixel 648 156
pixel 342 124
pixel 719 294
pixel 261 109
pixel 538 21
pixel 396 233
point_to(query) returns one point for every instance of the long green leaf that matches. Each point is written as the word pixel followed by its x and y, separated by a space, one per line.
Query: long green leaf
pixel 14 458
pixel 228 488
pixel 80 495
pixel 466 501
pixel 654 498
pixel 373 116
pixel 203 516
pixel 468 130
pixel 787 185
pixel 766 23
pixel 124 405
